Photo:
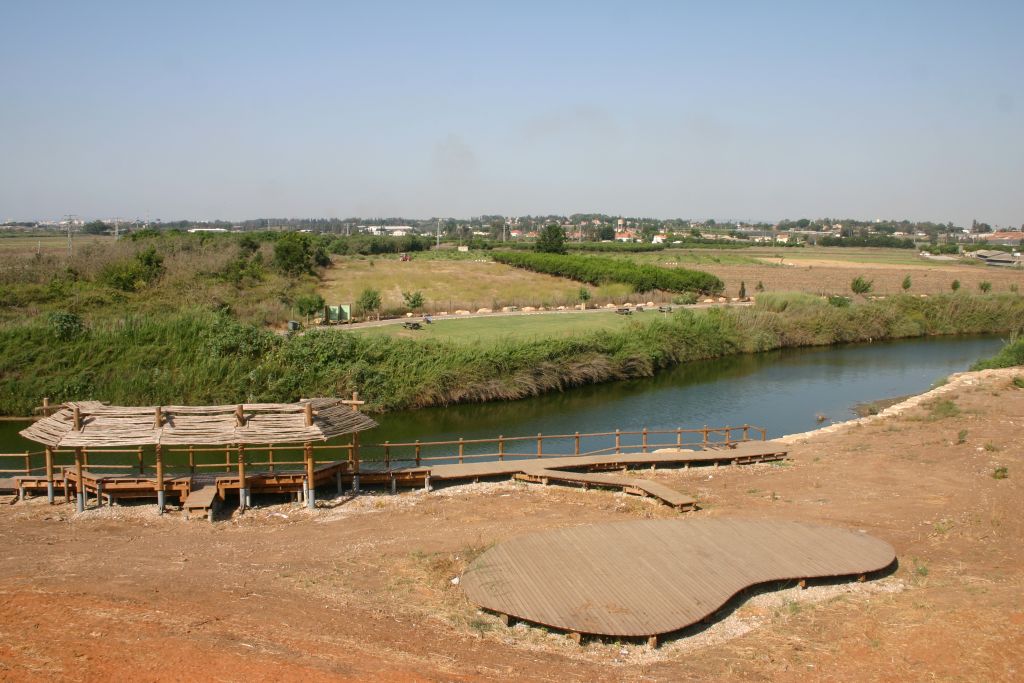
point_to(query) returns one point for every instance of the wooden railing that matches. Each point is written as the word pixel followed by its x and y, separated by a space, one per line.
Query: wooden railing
pixel 195 459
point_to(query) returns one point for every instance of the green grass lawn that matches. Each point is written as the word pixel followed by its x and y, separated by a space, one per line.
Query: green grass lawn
pixel 519 327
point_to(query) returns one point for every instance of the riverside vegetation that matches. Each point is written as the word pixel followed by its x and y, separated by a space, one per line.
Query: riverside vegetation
pixel 198 355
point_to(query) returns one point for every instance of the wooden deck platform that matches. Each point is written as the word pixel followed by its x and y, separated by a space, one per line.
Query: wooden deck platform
pixel 649 578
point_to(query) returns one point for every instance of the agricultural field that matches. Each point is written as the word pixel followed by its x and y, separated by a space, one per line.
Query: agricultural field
pixel 830 270
pixel 449 283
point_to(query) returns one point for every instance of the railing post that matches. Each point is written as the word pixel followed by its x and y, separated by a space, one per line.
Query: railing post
pixel 618 442
pixel 192 460
pixel 540 445
pixel 28 464
pixel 728 435
pixel 764 434
pixel 746 432
pixel 418 447
pixel 679 437
pixel 643 440
pixel 387 455
pixel 227 458
pixel 576 445
pixel 501 448
pixel 270 456
pixel 142 464
pixel 705 442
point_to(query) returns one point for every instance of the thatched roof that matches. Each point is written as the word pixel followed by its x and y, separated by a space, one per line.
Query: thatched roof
pixel 106 426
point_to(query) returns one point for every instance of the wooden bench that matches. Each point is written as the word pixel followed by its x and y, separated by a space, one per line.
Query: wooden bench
pixel 623 311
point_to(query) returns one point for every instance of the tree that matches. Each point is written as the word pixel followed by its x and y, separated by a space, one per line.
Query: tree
pixel 369 301
pixel 413 300
pixel 551 239
pixel 985 287
pixel 309 305
pixel 743 289
pixel 293 254
pixel 95 228
pixel 584 296
pixel 955 285
pixel 606 232
pixel 906 284
pixel 861 286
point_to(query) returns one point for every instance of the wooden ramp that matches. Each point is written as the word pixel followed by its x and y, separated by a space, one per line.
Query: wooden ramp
pixel 636 487
pixel 648 578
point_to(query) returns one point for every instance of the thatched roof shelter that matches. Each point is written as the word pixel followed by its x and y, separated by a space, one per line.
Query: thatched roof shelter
pixel 92 424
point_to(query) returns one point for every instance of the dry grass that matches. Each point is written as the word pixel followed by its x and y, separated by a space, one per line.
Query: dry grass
pixel 448 285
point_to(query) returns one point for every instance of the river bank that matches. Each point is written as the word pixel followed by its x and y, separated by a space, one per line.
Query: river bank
pixel 199 357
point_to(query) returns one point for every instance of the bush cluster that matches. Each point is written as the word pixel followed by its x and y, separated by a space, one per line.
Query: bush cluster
pixel 597 270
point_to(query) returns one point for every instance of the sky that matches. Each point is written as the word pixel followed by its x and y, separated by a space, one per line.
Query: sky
pixel 725 110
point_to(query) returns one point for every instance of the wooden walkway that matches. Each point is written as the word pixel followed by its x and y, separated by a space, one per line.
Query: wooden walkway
pixel 200 493
pixel 652 577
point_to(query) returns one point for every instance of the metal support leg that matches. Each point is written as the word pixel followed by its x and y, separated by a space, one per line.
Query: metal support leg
pixel 81 501
pixel 311 496
pixel 426 483
pixel 394 486
pixel 49 492
pixel 99 494
pixel 305 493
pixel 21 493
pixel 355 484
pixel 160 501
pixel 243 499
pixel 337 480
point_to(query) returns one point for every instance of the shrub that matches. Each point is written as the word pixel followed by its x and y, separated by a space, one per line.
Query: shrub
pixel 906 283
pixel 861 285
pixel 1010 355
pixel 309 305
pixel 955 285
pixel 599 270
pixel 413 300
pixel 1000 473
pixel 839 301
pixel 985 287
pixel 685 299
pixel 369 301
pixel 65 325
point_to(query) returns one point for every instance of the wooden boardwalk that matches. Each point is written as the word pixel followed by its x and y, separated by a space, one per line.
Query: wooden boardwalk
pixel 652 577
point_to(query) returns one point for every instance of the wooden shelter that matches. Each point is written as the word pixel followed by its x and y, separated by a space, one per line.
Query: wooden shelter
pixel 94 425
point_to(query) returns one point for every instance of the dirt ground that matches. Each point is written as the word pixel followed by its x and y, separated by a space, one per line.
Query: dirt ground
pixel 361 589
pixel 834 277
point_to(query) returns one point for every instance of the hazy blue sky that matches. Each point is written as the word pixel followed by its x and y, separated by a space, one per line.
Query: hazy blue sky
pixel 717 109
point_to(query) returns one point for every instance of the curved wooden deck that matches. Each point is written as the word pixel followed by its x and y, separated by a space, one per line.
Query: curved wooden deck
pixel 651 577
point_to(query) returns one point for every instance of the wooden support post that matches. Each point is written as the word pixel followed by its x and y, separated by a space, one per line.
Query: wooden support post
pixel 652 641
pixel 355 458
pixel 240 415
pixel 158 417
pixel 309 414
pixel 160 495
pixel 802 583
pixel 142 464
pixel 270 456
pixel 192 460
pixel 243 493
pixel 418 447
pixel 643 440
pixel 462 449
pixel 46 406
pixel 618 442
pixel 99 493
pixel 746 432
pixel 576 444
pixel 705 443
pixel 728 436
pixel 310 481
pixel 540 445
pixel 76 419
pixel 501 447
pixel 49 473
pixel 764 434
pixel 227 458
pixel 79 488
pixel 387 455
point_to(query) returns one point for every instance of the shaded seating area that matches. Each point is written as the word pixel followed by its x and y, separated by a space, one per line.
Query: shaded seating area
pixel 241 431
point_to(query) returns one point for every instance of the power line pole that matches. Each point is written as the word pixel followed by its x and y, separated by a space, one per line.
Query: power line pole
pixel 438 232
pixel 70 218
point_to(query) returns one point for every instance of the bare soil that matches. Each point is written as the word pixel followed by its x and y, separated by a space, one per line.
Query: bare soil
pixel 834 277
pixel 361 589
